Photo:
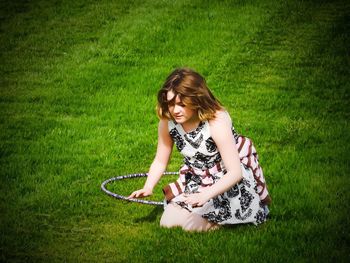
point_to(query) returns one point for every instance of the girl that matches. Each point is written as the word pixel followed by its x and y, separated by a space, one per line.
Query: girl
pixel 220 181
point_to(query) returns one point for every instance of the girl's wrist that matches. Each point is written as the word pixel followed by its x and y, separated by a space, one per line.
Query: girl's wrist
pixel 207 194
pixel 149 188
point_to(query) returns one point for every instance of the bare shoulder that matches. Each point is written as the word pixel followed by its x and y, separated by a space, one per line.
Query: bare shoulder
pixel 163 126
pixel 163 122
pixel 222 119
pixel 220 127
pixel 163 132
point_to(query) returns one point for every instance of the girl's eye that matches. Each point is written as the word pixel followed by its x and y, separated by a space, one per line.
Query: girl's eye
pixel 181 105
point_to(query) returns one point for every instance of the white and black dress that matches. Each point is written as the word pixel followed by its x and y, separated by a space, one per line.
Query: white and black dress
pixel 245 202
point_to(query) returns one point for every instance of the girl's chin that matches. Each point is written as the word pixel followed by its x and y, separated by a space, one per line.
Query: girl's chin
pixel 180 119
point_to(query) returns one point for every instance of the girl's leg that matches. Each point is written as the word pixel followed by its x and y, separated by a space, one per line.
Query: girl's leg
pixel 195 222
pixel 174 215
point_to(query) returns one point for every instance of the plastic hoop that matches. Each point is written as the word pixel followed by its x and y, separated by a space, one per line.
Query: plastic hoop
pixel 128 176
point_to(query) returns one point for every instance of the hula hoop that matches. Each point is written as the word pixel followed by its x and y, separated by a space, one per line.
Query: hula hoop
pixel 128 176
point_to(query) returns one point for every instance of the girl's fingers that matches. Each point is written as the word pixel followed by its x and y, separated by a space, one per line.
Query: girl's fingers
pixel 139 193
pixel 134 194
pixel 192 201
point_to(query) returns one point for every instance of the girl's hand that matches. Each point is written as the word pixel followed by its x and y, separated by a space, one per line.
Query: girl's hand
pixel 141 193
pixel 196 199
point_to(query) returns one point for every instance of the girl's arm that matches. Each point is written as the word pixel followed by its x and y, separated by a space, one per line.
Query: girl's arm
pixel 160 162
pixel 222 135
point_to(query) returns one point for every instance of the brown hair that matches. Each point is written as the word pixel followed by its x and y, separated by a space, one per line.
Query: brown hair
pixel 192 91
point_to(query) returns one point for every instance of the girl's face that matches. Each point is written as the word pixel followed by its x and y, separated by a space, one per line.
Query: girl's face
pixel 180 112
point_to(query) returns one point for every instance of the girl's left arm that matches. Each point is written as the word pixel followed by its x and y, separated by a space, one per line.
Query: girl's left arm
pixel 221 133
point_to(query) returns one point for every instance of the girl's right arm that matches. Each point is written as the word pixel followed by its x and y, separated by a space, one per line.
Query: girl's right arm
pixel 160 162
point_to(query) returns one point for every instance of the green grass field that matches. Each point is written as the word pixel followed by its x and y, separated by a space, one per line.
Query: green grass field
pixel 77 106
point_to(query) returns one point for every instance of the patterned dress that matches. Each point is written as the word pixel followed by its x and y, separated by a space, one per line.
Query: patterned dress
pixel 245 202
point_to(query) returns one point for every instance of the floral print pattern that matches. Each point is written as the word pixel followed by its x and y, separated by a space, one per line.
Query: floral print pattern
pixel 239 204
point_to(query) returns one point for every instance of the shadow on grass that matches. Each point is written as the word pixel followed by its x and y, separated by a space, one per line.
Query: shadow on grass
pixel 152 216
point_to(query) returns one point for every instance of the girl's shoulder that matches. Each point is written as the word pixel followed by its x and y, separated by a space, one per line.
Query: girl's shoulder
pixel 221 127
pixel 222 118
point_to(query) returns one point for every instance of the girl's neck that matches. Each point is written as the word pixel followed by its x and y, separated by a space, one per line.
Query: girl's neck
pixel 191 125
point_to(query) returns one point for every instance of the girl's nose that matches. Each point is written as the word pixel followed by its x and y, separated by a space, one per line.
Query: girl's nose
pixel 176 109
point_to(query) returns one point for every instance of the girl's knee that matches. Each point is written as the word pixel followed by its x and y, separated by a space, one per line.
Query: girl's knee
pixel 198 224
pixel 173 216
pixel 168 223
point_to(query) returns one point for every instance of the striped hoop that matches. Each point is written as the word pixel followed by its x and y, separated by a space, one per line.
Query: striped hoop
pixel 128 176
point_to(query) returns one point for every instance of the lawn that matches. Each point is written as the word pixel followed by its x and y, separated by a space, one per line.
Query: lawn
pixel 78 89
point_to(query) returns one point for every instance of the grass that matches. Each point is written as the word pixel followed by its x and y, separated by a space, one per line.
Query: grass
pixel 77 99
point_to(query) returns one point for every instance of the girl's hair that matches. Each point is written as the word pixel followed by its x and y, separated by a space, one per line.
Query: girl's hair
pixel 192 91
